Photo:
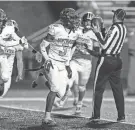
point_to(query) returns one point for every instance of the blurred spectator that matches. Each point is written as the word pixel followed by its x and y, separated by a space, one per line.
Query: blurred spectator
pixel 131 4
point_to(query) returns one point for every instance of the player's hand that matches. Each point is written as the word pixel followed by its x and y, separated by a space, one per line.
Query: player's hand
pixel 96 29
pixel 69 71
pixel 23 41
pixel 38 57
pixel 48 65
pixel 19 78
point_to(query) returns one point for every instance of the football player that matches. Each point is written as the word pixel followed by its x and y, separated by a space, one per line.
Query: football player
pixel 61 38
pixel 82 59
pixel 11 48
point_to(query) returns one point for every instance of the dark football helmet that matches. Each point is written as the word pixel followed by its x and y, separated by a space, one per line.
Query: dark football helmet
pixel 86 19
pixel 70 18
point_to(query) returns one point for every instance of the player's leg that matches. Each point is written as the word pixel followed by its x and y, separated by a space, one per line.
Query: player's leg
pixel 64 92
pixel 7 84
pixel 75 92
pixel 4 71
pixel 71 84
pixel 84 74
pixel 54 78
pixel 75 67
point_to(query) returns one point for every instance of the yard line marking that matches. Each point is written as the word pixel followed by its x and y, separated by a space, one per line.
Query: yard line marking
pixel 37 110
pixel 70 99
pixel 22 99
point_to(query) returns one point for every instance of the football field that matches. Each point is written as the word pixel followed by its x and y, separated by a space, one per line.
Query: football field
pixel 24 110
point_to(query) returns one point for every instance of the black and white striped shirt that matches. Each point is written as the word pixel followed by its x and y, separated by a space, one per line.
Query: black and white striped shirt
pixel 113 42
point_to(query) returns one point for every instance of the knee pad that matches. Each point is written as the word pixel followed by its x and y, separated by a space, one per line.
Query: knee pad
pixel 82 88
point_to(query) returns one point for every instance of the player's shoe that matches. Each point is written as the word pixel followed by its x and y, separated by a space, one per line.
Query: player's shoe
pixel 48 122
pixel 94 119
pixel 58 104
pixel 1 89
pixel 34 84
pixel 121 119
pixel 78 110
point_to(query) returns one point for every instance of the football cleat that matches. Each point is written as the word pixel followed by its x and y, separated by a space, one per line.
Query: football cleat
pixel 94 119
pixel 58 104
pixel 78 108
pixel 48 122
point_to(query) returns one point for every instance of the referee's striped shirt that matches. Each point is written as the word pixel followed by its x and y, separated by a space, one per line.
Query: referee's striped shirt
pixel 113 42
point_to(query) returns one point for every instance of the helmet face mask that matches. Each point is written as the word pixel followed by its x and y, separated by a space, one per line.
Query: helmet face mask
pixel 87 24
pixel 69 18
pixel 86 20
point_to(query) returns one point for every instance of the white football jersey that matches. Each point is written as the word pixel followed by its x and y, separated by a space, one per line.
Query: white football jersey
pixel 8 36
pixel 8 32
pixel 64 40
pixel 84 38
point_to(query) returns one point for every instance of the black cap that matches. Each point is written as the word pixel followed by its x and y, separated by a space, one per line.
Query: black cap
pixel 120 14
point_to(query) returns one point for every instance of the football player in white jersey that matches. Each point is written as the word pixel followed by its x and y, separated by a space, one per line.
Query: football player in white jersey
pixel 60 38
pixel 9 50
pixel 82 59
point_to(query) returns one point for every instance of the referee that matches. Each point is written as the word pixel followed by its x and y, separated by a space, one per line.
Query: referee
pixel 109 66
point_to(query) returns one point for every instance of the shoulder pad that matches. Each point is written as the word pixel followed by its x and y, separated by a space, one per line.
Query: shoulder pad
pixel 7 31
pixel 80 30
pixel 53 28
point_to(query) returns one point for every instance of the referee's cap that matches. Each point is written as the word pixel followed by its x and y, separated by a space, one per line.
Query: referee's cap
pixel 120 14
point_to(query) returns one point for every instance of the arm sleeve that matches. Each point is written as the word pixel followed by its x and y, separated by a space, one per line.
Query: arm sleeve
pixel 44 44
pixel 51 30
pixel 19 58
pixel 109 37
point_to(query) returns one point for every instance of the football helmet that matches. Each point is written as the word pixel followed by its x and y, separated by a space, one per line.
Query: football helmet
pixel 86 19
pixel 12 23
pixel 70 18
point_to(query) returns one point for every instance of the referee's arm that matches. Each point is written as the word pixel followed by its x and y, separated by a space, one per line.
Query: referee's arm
pixel 110 36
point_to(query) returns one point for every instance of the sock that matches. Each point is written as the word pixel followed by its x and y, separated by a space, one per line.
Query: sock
pixel 50 101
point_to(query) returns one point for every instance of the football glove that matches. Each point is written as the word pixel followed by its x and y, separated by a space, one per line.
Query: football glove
pixel 48 65
pixel 38 57
pixel 97 24
pixel 69 71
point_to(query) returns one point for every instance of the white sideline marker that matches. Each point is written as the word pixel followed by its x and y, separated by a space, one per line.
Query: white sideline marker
pixel 127 99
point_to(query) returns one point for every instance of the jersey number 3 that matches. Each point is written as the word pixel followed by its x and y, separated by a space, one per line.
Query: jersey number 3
pixel 64 52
